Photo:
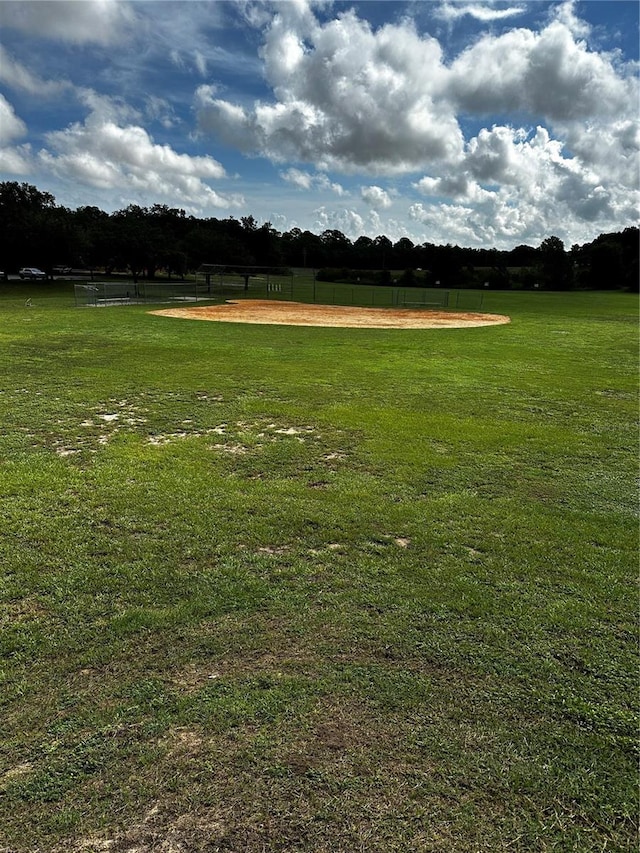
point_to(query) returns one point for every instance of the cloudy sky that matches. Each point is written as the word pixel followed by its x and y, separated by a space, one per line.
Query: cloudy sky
pixel 477 123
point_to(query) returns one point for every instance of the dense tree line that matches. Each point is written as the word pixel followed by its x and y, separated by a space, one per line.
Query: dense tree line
pixel 34 230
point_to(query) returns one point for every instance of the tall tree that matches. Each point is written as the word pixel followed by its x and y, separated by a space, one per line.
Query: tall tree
pixel 25 216
pixel 337 248
pixel 91 247
pixel 555 265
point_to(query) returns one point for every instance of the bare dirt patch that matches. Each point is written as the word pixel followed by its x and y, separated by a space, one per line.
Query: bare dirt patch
pixel 272 312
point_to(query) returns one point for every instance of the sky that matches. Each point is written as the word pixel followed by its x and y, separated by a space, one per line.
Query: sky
pixel 482 124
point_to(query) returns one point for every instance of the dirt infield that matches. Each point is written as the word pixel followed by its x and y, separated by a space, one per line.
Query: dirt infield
pixel 272 312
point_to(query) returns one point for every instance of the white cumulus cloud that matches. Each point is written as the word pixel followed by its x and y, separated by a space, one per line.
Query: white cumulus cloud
pixel 105 155
pixel 14 160
pixel 300 179
pixel 346 97
pixel 307 181
pixel 355 99
pixel 11 126
pixel 547 74
pixel 346 220
pixel 376 197
pixel 512 184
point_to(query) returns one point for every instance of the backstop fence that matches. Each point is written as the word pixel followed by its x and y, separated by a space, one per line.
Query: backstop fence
pixel 276 286
pixel 104 293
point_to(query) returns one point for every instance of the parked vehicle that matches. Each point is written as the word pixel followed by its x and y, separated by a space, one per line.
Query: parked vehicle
pixel 31 272
pixel 61 270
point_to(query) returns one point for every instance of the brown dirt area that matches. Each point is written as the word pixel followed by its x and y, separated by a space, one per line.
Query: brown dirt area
pixel 272 312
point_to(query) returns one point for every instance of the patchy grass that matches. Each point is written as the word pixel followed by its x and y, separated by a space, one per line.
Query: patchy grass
pixel 285 589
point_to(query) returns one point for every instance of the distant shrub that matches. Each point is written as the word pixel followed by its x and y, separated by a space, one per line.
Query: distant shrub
pixel 332 274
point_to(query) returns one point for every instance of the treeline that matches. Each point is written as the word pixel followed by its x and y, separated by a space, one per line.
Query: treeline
pixel 35 231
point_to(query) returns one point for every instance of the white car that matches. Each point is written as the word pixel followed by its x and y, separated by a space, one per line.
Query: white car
pixel 31 272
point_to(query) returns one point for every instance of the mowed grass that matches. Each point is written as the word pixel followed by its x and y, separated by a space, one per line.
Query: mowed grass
pixel 270 588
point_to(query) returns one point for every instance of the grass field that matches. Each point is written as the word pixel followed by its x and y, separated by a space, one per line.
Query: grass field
pixel 273 588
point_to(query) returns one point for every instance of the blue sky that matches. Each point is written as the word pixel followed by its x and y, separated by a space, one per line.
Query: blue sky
pixel 477 123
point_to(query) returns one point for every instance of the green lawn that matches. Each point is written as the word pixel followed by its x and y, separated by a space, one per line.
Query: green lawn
pixel 270 588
